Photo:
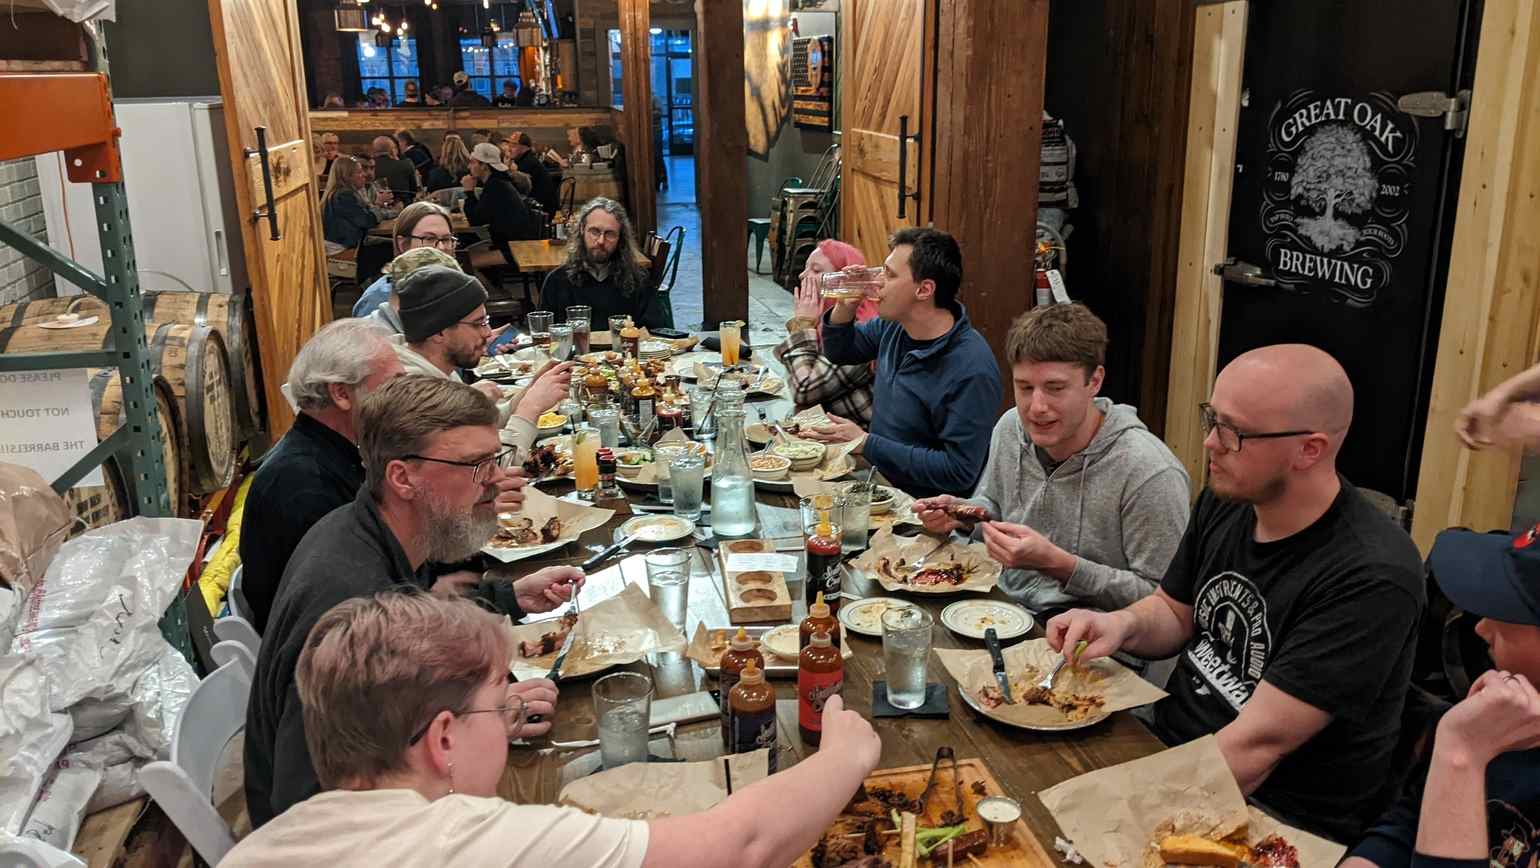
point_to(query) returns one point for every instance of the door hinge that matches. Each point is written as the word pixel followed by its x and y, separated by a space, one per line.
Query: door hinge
pixel 1455 110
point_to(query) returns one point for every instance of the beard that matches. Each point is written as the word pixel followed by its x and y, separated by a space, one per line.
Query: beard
pixel 454 534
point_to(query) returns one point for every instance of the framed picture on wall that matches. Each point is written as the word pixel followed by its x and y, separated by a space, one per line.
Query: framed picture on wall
pixel 812 82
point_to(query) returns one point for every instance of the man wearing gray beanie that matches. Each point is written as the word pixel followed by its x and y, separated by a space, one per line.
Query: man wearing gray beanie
pixel 444 328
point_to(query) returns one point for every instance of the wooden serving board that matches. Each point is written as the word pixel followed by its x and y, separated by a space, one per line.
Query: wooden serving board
pixel 1023 851
pixel 753 597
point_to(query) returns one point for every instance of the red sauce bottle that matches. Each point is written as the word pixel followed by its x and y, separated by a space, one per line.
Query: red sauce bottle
pixel 823 567
pixel 819 618
pixel 820 675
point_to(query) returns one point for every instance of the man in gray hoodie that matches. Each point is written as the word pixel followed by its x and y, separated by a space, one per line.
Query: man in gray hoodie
pixel 1080 502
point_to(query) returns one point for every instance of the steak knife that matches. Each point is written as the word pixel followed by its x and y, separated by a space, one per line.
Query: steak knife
pixel 992 639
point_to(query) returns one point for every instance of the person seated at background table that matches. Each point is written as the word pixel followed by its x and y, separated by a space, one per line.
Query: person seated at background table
pixel 845 390
pixel 386 202
pixel 445 328
pixel 1292 601
pixel 346 217
pixel 528 95
pixel 387 314
pixel 1086 506
pixel 480 136
pixel 1480 802
pixel 510 95
pixel 420 224
pixel 463 94
pixel 496 204
pixel 454 163
pixel 937 381
pixel 432 490
pixel 545 188
pixel 314 468
pixel 603 270
pixel 398 175
pixel 415 152
pixel 330 149
pixel 408 714
pixel 376 98
pixel 333 100
pixel 409 96
pixel 580 141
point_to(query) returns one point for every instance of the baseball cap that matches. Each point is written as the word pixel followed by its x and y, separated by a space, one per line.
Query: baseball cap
pixel 488 153
pixel 1493 575
pixel 461 77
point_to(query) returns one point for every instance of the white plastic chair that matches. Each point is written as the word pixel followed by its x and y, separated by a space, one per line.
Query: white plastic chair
pixel 233 628
pixel 184 787
pixel 232 650
pixel 236 597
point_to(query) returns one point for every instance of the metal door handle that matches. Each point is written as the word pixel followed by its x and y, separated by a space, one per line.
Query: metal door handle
pixel 903 162
pixel 1243 273
pixel 271 212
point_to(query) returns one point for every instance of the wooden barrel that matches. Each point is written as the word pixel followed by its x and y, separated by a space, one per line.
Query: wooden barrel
pixel 230 316
pixel 43 309
pixel 114 499
pixel 192 360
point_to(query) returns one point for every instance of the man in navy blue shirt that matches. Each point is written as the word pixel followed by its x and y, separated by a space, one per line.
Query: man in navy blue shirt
pixel 1480 803
pixel 938 385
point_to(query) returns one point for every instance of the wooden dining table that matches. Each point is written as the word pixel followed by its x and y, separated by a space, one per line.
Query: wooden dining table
pixel 1025 762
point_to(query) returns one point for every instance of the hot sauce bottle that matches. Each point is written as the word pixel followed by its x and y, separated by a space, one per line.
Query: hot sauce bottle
pixel 630 340
pixel 820 675
pixel 823 566
pixel 740 652
pixel 753 713
pixel 819 619
pixel 645 401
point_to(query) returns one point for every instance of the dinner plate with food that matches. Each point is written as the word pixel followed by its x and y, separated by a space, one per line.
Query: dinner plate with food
pixel 865 616
pixel 647 468
pixel 520 537
pixel 972 617
pixel 549 460
pixel 658 528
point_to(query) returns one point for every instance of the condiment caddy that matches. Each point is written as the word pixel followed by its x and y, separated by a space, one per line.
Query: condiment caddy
pixel 754 596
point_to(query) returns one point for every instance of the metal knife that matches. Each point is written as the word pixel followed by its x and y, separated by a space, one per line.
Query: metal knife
pixel 992 640
pixel 561 656
pixel 601 557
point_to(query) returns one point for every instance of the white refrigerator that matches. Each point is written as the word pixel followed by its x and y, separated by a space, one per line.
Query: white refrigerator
pixel 181 199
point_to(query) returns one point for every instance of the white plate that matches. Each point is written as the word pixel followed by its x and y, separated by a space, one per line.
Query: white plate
pixel 782 641
pixel 865 616
pixel 658 528
pixel 972 617
pixel 509 555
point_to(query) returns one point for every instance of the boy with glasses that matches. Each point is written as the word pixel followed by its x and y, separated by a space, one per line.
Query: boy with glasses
pixel 1292 602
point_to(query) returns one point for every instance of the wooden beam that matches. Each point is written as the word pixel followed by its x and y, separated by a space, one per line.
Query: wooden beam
pixel 722 145
pixel 989 67
pixel 1219 49
pixel 636 85
pixel 1489 322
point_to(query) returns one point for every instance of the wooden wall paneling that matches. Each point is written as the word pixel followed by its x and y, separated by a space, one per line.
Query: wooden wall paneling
pixel 721 149
pixel 261 78
pixel 1219 48
pixel 636 85
pixel 883 46
pixel 1491 334
pixel 990 65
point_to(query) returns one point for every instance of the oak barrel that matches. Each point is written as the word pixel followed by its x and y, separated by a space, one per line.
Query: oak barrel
pixel 229 315
pixel 43 309
pixel 114 500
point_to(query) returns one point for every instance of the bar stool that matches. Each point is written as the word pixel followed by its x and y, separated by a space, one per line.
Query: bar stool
pixel 759 230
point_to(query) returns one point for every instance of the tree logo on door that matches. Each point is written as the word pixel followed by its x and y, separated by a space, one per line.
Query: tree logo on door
pixel 1336 193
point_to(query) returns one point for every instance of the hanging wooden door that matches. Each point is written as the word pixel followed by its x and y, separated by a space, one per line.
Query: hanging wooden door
pixel 884 42
pixel 262 76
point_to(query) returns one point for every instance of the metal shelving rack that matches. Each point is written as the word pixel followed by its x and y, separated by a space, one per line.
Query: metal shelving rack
pixel 72 112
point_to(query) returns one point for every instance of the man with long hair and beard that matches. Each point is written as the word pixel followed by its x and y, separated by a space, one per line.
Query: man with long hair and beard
pixel 603 270
pixel 433 487
pixel 1292 603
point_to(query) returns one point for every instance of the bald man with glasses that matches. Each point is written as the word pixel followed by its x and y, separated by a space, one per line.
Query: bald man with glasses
pixel 1291 605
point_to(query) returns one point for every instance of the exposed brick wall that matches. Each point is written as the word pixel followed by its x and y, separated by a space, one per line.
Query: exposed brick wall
pixel 21 206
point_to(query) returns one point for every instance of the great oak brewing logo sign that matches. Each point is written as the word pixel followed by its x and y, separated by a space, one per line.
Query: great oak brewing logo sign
pixel 1336 192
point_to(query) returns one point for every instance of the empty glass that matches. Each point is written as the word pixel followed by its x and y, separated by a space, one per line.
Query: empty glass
pixel 905 654
pixel 687 476
pixel 623 708
pixel 668 583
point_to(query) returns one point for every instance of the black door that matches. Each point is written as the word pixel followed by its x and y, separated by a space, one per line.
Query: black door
pixel 1346 205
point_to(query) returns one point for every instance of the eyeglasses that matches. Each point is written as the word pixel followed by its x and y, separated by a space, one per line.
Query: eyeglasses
pixel 483 323
pixel 481 471
pixel 597 234
pixel 1232 438
pixel 442 242
pixel 512 712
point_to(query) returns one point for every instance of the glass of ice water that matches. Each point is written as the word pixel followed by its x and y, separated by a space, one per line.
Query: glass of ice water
pixel 623 707
pixel 668 583
pixel 687 474
pixel 855 517
pixel 906 654
pixel 561 341
pixel 607 420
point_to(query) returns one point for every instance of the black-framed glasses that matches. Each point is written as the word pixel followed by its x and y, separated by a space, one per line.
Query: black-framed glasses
pixel 443 242
pixel 512 712
pixel 597 234
pixel 481 471
pixel 1232 438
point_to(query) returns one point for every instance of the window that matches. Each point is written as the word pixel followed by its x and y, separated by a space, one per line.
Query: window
pixel 387 68
pixel 489 68
pixel 617 97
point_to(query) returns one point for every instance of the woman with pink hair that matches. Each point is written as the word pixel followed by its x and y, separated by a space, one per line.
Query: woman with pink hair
pixel 844 390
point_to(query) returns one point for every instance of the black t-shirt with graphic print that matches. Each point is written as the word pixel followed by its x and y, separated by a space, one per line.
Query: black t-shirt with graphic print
pixel 1329 617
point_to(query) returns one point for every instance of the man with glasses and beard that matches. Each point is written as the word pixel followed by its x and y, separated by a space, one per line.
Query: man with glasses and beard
pixel 444 327
pixel 433 487
pixel 1288 569
pixel 604 270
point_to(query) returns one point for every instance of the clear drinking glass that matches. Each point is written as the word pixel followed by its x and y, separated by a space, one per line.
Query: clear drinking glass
pixel 855 517
pixel 905 654
pixel 561 341
pixel 623 707
pixel 539 322
pixel 687 478
pixel 731 336
pixel 668 583
pixel 585 460
pixel 607 420
pixel 815 507
pixel 700 402
pixel 616 324
pixel 664 456
pixel 578 316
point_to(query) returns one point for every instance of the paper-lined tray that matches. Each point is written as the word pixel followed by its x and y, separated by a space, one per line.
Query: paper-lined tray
pixel 1117 686
pixel 623 629
pixel 539 507
pixel 893 561
pixel 708 645
pixel 650 791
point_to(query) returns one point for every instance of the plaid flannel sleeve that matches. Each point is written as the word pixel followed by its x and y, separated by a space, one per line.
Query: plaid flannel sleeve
pixel 845 390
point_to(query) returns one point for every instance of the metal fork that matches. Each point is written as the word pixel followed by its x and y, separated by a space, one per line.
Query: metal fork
pixel 1047 682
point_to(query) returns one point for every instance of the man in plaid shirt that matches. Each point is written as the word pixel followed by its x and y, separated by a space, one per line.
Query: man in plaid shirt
pixel 844 390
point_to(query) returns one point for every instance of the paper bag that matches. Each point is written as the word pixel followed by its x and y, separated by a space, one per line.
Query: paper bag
pixel 890 559
pixel 539 507
pixel 33 524
pixel 623 629
pixel 1120 687
pixel 648 791
pixel 1115 816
